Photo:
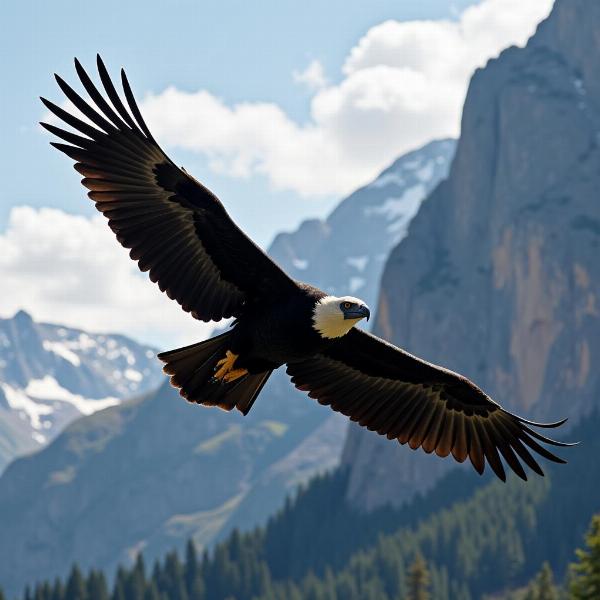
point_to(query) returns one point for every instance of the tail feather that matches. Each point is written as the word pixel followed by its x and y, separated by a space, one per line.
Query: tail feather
pixel 192 369
pixel 246 391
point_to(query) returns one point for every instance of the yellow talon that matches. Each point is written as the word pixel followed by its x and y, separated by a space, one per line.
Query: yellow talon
pixel 229 356
pixel 235 374
pixel 226 372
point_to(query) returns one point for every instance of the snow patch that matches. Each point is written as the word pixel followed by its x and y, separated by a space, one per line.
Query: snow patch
pixel 48 388
pixel 411 165
pixel 356 283
pixel 60 349
pixel 133 375
pixel 406 206
pixel 300 264
pixel 85 342
pixel 426 173
pixel 387 179
pixel 25 406
pixel 410 202
pixel 358 262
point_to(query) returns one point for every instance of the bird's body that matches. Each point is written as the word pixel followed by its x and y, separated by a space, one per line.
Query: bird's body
pixel 269 335
pixel 180 232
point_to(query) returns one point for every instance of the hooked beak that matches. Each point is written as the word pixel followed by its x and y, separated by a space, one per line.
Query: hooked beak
pixel 360 312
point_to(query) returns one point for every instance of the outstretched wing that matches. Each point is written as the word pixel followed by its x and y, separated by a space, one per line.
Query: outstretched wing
pixel 398 395
pixel 174 227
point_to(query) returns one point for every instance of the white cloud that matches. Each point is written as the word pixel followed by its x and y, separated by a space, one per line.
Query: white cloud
pixel 70 269
pixel 404 84
pixel 313 77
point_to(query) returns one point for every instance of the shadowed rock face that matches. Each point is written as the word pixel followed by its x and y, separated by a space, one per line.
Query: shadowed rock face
pixel 499 276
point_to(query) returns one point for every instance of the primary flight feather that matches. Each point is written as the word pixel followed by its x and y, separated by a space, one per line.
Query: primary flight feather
pixel 178 231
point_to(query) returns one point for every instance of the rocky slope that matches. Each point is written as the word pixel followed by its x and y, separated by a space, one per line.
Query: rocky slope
pixel 499 275
pixel 147 474
pixel 51 375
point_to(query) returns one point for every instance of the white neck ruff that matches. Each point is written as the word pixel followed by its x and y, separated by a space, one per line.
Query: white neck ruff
pixel 328 318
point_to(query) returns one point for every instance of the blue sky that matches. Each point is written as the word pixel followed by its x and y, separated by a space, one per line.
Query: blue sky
pixel 240 51
pixel 281 108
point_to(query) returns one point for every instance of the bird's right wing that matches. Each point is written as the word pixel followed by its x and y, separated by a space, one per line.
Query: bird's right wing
pixel 174 227
pixel 403 397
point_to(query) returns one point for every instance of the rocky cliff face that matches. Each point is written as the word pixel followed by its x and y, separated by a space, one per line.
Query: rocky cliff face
pixel 51 375
pixel 499 276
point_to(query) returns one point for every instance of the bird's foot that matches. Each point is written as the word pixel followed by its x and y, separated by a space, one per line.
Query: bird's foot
pixel 225 365
pixel 225 373
pixel 235 374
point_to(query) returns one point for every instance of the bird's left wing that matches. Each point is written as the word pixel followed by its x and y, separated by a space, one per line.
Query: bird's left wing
pixel 398 395
pixel 174 227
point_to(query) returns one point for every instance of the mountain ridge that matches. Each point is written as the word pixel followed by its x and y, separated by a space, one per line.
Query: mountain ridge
pixel 51 374
pixel 498 277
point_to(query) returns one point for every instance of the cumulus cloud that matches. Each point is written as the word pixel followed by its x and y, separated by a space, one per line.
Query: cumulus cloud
pixel 403 84
pixel 313 77
pixel 69 269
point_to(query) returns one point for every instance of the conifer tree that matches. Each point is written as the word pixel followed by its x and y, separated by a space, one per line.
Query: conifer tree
pixel 75 588
pixel 418 579
pixel 2 596
pixel 530 593
pixel 151 591
pixel 135 581
pixel 194 584
pixel 58 590
pixel 545 588
pixel 173 582
pixel 585 574
pixel 47 590
pixel 97 589
pixel 38 592
pixel 120 583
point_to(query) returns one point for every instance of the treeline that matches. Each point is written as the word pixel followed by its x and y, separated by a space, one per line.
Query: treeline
pixel 188 580
pixel 317 548
pixel 191 580
pixel 583 576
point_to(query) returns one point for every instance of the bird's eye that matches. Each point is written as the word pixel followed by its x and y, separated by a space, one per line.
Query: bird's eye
pixel 346 305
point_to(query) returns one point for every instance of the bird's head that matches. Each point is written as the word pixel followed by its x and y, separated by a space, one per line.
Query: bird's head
pixel 335 316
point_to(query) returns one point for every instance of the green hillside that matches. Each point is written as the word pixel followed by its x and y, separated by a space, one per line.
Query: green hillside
pixel 493 537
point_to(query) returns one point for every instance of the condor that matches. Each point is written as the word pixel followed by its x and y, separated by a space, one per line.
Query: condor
pixel 179 232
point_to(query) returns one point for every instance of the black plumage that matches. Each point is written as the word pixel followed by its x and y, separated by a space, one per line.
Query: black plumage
pixel 178 231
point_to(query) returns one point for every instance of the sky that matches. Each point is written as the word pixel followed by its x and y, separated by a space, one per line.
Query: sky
pixel 281 108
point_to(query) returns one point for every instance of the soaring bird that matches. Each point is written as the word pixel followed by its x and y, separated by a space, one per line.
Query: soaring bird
pixel 179 231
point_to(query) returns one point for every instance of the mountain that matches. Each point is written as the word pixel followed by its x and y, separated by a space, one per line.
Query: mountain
pixel 480 538
pixel 498 277
pixel 51 375
pixel 153 472
pixel 147 475
pixel 346 253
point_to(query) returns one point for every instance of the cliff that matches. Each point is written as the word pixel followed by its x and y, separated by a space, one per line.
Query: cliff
pixel 499 277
